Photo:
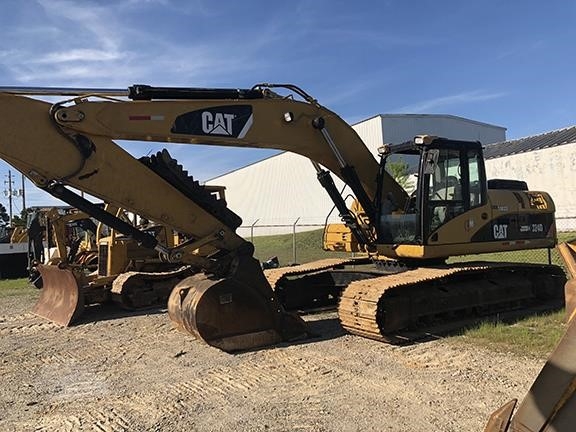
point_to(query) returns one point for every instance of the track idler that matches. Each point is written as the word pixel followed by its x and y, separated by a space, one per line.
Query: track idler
pixel 235 313
pixel 61 299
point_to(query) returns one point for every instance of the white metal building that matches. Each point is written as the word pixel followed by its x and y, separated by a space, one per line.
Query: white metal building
pixel 546 162
pixel 283 191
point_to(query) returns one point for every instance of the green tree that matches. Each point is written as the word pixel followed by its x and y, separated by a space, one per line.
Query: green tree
pixel 4 216
pixel 399 171
pixel 21 220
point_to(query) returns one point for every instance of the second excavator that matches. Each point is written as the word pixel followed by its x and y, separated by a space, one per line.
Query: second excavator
pixel 77 263
pixel 230 303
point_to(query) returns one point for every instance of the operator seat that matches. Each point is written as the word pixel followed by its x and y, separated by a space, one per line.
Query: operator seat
pixel 451 190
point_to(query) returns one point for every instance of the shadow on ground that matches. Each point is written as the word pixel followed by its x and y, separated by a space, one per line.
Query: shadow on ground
pixel 111 311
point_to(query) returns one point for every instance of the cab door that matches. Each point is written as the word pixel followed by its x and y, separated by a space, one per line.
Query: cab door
pixel 452 185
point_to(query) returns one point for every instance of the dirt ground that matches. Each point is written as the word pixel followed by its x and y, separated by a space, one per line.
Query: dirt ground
pixel 136 373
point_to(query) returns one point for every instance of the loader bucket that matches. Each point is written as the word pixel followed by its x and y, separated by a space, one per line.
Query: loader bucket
pixel 232 314
pixel 61 300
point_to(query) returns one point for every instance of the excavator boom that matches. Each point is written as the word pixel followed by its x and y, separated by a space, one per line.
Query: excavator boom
pixel 255 118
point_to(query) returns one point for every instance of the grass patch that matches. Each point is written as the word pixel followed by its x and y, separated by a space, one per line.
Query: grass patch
pixel 532 336
pixel 16 287
pixel 308 247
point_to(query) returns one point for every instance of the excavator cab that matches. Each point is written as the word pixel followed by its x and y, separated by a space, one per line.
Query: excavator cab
pixel 449 180
pixel 450 207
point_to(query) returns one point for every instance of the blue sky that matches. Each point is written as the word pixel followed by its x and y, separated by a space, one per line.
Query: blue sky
pixel 508 63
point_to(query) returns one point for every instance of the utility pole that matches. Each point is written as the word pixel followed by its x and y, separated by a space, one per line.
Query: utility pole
pixel 23 193
pixel 10 193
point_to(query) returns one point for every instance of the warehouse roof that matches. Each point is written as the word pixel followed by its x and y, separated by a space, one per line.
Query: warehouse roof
pixel 433 116
pixel 536 142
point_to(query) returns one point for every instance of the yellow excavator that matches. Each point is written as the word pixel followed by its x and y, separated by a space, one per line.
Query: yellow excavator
pixel 230 303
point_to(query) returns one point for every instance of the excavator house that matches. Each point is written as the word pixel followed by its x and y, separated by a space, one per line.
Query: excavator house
pixel 400 284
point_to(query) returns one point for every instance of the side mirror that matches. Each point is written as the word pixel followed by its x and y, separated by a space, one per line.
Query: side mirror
pixel 431 161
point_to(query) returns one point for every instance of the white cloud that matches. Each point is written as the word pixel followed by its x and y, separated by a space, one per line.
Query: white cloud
pixel 84 55
pixel 444 101
pixel 96 20
pixel 92 45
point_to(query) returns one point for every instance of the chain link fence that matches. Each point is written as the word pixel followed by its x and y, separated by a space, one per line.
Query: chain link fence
pixel 566 224
pixel 293 244
pixel 298 243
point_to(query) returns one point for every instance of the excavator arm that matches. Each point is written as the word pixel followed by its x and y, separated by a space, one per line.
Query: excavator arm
pixel 261 119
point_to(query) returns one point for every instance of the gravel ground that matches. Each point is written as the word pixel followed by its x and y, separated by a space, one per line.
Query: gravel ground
pixel 134 372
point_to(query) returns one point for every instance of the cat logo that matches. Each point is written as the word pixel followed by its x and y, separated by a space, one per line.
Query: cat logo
pixel 220 121
pixel 500 232
pixel 217 123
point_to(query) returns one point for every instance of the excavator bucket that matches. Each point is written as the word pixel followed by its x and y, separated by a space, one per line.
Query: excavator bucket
pixel 177 297
pixel 500 419
pixel 235 313
pixel 568 253
pixel 550 405
pixel 61 299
